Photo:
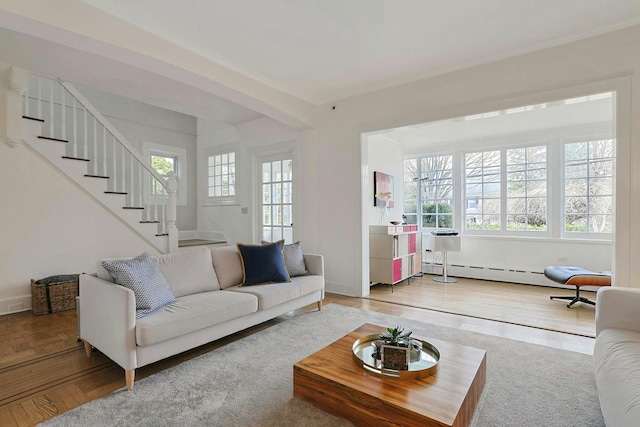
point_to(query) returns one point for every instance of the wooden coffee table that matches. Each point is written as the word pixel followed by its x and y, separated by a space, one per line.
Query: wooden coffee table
pixel 333 382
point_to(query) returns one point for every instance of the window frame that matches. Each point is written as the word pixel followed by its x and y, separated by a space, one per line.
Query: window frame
pixel 231 200
pixel 180 167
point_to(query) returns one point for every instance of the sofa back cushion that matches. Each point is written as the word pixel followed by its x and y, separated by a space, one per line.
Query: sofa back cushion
pixel 227 264
pixel 188 272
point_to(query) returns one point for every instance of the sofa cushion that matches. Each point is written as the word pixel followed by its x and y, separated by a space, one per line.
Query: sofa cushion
pixel 188 272
pixel 227 265
pixel 293 259
pixel 273 294
pixel 616 357
pixel 191 313
pixel 143 276
pixel 263 263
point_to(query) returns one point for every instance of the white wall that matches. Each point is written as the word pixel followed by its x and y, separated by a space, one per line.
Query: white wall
pixel 387 157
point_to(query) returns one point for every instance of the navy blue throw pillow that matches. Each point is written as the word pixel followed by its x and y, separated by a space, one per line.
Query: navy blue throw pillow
pixel 263 263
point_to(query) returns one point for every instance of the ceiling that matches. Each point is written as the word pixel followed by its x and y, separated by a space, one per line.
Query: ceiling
pixel 324 50
pixel 316 50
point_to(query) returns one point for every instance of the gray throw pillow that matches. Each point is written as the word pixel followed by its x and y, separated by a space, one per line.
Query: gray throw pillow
pixel 143 276
pixel 293 259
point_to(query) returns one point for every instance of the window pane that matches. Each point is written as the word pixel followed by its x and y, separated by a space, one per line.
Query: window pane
pixel 428 190
pixel 589 186
pixel 221 175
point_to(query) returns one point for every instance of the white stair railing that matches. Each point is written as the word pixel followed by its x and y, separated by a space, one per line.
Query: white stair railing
pixel 68 116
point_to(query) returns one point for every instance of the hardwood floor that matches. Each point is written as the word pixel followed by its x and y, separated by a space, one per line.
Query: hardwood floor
pixel 44 372
pixel 526 305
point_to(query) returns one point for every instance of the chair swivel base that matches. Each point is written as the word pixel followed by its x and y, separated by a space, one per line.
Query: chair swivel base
pixel 575 300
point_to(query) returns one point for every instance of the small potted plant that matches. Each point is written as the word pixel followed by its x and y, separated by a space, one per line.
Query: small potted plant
pixel 395 345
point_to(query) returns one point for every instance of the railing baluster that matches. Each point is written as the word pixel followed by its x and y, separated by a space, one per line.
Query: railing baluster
pixel 39 99
pixel 140 186
pixel 25 107
pixel 104 152
pixel 86 136
pixel 63 106
pixel 51 135
pixel 114 171
pixel 122 172
pixel 75 128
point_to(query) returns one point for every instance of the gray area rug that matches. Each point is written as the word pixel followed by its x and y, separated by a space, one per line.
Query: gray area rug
pixel 250 382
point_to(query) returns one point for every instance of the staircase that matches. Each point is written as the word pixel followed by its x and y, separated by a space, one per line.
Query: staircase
pixel 64 129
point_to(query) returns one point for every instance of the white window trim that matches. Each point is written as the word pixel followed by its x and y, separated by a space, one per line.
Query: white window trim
pixel 180 154
pixel 220 200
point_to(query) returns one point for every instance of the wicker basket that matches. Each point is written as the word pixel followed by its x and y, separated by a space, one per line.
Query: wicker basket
pixel 54 293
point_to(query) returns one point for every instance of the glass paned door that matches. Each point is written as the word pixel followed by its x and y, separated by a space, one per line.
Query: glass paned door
pixel 277 200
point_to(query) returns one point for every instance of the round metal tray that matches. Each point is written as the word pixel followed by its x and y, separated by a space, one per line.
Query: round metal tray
pixel 422 364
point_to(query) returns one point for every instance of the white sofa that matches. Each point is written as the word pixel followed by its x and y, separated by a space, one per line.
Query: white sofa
pixel 209 305
pixel 616 355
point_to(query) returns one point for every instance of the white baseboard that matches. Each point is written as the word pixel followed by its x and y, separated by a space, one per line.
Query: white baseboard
pixel 15 304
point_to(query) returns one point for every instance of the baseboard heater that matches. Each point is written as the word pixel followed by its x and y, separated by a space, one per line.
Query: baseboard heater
pixel 498 274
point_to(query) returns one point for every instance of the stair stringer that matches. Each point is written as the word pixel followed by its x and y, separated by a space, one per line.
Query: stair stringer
pixel 52 151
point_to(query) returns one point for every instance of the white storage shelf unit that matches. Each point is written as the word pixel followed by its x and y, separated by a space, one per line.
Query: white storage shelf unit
pixel 395 253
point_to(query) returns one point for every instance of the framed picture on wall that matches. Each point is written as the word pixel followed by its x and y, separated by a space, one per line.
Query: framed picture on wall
pixel 382 190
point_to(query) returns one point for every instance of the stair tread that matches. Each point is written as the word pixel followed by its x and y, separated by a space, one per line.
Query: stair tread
pixel 53 139
pixel 163 234
pixel 96 176
pixel 33 118
pixel 115 192
pixel 132 207
pixel 76 158
pixel 149 222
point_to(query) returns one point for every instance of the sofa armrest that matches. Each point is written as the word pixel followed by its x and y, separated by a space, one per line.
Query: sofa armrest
pixel 108 319
pixel 617 308
pixel 314 264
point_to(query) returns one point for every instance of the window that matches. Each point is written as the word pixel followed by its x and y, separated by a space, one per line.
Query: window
pixel 410 189
pixel 527 189
pixel 221 175
pixel 483 190
pixel 428 183
pixel 588 187
pixel 277 199
pixel 163 164
pixel 164 159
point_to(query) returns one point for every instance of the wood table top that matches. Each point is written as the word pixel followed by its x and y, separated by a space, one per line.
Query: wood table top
pixel 446 398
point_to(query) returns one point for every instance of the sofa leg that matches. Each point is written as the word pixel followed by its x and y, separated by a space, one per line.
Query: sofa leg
pixel 320 305
pixel 129 376
pixel 87 348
